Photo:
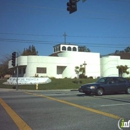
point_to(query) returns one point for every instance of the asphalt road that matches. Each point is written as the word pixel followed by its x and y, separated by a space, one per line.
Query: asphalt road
pixel 61 110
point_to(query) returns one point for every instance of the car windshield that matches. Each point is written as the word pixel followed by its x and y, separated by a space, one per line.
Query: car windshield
pixel 101 80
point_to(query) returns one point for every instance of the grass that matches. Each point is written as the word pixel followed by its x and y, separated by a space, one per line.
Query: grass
pixel 55 84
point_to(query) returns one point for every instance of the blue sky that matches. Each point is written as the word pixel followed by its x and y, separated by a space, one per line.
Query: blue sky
pixel 101 25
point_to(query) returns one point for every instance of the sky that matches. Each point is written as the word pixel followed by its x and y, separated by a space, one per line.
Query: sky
pixel 103 26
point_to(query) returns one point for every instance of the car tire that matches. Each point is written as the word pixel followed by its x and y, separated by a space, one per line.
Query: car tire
pixel 128 90
pixel 100 91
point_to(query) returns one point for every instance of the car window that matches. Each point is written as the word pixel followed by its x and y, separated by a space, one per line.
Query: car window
pixel 108 80
pixel 111 80
pixel 101 80
pixel 121 80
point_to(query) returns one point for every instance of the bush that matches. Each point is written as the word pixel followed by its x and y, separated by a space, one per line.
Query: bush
pixel 81 76
pixel 91 77
pixel 77 81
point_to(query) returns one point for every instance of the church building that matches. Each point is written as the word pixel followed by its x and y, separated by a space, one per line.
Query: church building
pixel 62 62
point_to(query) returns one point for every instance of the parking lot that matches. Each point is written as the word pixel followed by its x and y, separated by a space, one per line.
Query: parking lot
pixel 62 109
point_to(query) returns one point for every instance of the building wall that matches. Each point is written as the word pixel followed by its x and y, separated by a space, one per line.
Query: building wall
pixel 67 47
pixel 22 61
pixel 50 63
pixel 125 62
pixel 78 58
pixel 64 65
pixel 61 66
pixel 109 65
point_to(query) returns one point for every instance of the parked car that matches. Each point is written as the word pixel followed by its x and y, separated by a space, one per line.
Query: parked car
pixel 106 85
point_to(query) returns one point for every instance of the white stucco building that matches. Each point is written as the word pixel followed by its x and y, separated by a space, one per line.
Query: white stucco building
pixel 63 61
pixel 109 64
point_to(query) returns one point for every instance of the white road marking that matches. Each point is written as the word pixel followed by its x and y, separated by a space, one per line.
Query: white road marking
pixel 115 104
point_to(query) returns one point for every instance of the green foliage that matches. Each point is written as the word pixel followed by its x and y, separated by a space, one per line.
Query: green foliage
pixel 80 71
pixel 126 50
pixel 78 81
pixel 83 49
pixel 122 69
pixel 82 76
pixel 30 51
pixel 4 65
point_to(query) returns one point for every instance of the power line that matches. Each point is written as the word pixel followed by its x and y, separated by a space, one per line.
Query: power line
pixel 32 6
pixel 30 34
pixel 110 45
pixel 40 35
pixel 82 11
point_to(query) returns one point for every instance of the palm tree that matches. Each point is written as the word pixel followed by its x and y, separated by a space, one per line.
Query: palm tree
pixel 122 69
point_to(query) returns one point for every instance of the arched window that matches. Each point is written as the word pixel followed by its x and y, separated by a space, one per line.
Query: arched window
pixel 69 48
pixel 63 48
pixel 74 49
pixel 57 48
pixel 54 49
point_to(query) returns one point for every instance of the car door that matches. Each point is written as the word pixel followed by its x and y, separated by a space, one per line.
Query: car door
pixel 121 87
pixel 111 85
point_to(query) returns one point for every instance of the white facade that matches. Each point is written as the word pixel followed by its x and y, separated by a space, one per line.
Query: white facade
pixel 109 65
pixel 63 61
pixel 60 66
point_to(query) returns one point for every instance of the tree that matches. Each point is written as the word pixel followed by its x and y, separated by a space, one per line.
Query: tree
pixel 126 50
pixel 4 66
pixel 30 51
pixel 117 52
pixel 83 49
pixel 122 69
pixel 80 70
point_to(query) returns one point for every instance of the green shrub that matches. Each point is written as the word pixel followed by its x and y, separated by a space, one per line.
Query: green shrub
pixel 77 81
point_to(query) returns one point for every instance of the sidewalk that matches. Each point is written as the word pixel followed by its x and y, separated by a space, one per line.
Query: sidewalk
pixel 4 89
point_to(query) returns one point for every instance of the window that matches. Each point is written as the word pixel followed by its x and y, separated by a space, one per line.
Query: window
pixel 64 48
pixel 20 71
pixel 74 48
pixel 102 80
pixel 23 70
pixel 111 80
pixel 57 48
pixel 69 48
pixel 121 80
pixel 41 70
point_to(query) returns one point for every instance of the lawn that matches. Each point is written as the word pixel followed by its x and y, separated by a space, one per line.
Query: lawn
pixel 55 84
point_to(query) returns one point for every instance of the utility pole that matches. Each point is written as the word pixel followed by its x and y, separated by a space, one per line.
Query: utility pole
pixel 17 72
pixel 64 37
pixel 14 56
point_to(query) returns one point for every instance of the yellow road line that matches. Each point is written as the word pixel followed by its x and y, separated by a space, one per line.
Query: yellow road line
pixel 79 106
pixel 18 121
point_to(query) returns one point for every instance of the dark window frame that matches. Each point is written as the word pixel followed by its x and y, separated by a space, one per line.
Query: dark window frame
pixel 64 48
pixel 69 48
pixel 74 49
pixel 42 70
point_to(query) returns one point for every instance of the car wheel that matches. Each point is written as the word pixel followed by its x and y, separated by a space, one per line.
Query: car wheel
pixel 100 91
pixel 128 90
